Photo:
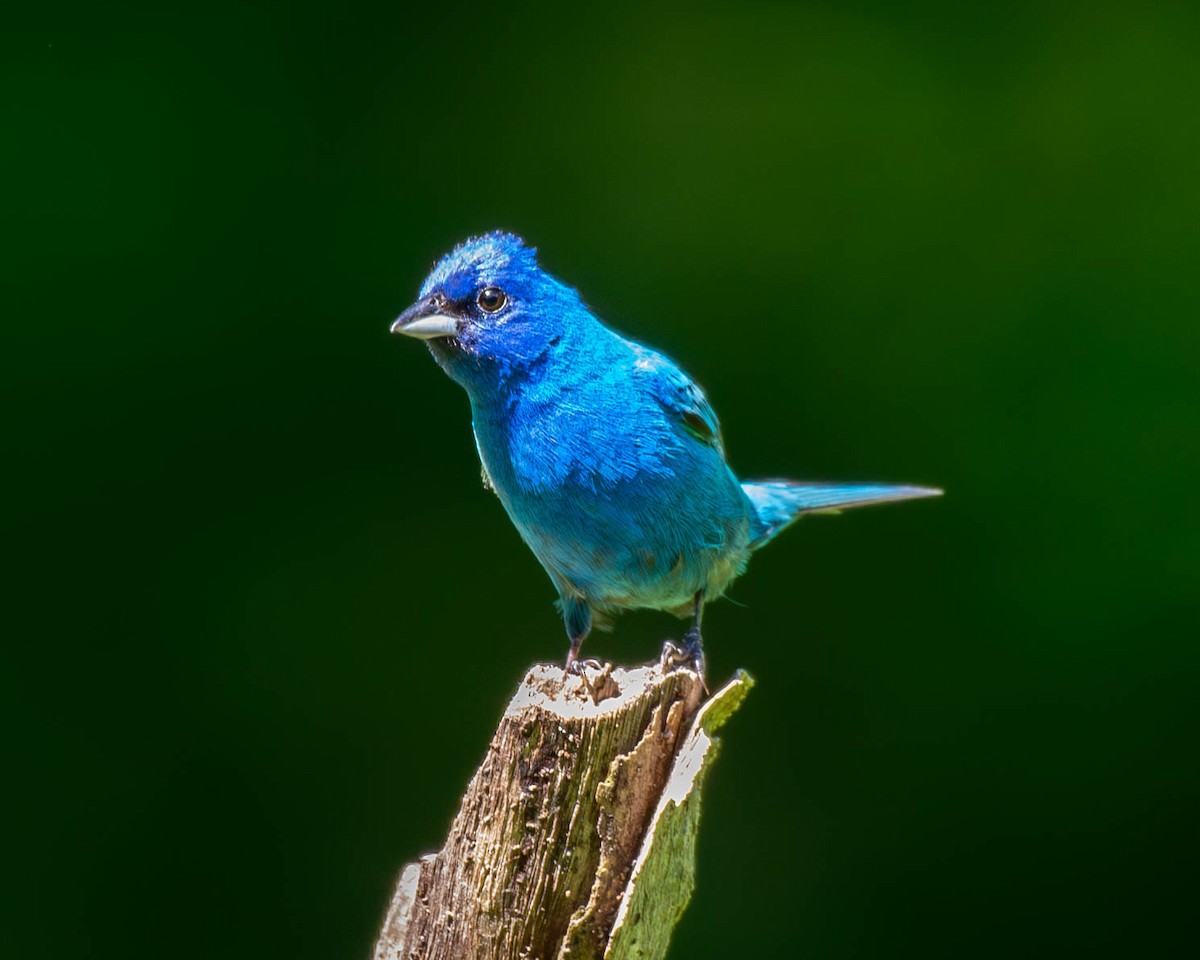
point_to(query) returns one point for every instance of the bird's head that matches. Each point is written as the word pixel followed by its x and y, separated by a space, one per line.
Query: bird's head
pixel 489 312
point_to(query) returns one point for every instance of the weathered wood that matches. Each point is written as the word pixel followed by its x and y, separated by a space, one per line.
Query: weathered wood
pixel 576 837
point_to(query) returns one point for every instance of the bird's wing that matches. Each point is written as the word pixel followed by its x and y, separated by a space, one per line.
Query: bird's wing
pixel 679 396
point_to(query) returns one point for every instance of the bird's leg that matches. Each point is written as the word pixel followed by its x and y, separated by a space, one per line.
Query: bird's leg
pixel 577 616
pixel 576 666
pixel 691 653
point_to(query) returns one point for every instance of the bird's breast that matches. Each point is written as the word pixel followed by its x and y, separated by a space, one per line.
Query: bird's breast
pixel 624 518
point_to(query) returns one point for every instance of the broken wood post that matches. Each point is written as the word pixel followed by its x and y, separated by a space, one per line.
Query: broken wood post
pixel 576 838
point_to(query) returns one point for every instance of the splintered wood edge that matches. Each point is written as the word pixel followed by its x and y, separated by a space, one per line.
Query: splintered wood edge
pixel 395 924
pixel 663 876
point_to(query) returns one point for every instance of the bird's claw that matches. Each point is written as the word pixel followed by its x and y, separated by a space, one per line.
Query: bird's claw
pixel 576 668
pixel 597 688
pixel 673 656
pixel 689 655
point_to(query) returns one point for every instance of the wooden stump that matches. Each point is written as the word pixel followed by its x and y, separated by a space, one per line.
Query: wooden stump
pixel 576 837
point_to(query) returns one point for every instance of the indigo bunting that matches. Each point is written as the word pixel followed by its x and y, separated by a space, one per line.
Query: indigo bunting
pixel 607 457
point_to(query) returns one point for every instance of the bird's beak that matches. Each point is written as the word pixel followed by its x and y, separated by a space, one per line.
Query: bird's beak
pixel 426 320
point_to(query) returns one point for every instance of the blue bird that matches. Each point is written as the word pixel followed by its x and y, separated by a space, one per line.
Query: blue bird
pixel 607 457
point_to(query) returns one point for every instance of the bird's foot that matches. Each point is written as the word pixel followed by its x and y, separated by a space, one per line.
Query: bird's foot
pixel 597 688
pixel 689 654
pixel 576 668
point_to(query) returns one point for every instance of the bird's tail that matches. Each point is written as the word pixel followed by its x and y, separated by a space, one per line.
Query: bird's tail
pixel 778 502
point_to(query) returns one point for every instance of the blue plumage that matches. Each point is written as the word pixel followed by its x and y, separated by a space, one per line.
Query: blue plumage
pixel 607 456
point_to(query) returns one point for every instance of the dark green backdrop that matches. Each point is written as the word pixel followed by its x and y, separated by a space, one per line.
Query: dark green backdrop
pixel 264 617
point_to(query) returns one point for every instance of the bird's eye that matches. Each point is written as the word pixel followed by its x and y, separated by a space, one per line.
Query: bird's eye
pixel 491 299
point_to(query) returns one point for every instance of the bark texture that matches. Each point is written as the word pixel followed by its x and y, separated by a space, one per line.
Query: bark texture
pixel 575 840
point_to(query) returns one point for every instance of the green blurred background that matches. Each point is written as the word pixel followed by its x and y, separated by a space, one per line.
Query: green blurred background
pixel 264 618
